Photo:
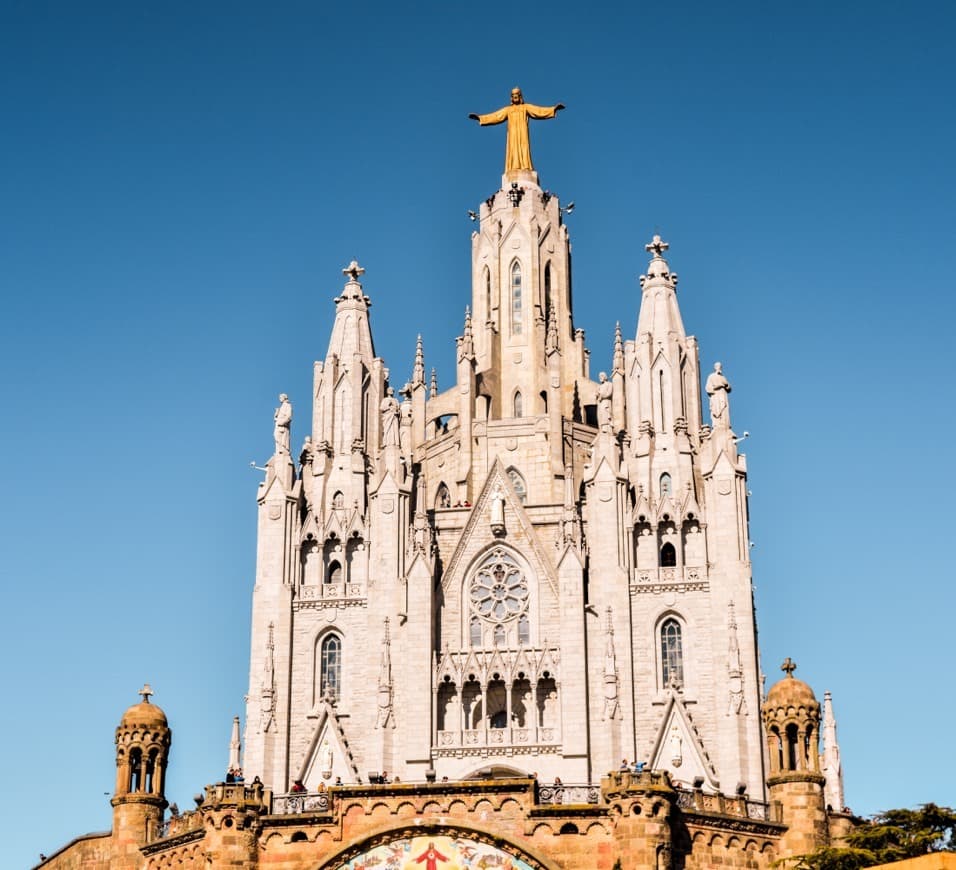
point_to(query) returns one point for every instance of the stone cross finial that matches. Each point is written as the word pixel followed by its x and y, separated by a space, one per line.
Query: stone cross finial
pixel 788 666
pixel 353 270
pixel 657 246
pixel 146 691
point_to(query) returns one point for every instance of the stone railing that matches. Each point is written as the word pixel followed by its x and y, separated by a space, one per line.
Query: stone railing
pixel 301 802
pixel 181 824
pixel 572 793
pixel 649 577
pixel 319 592
pixel 513 737
pixel 721 804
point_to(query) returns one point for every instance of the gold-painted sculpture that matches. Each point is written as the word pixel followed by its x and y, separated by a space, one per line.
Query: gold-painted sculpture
pixel 518 144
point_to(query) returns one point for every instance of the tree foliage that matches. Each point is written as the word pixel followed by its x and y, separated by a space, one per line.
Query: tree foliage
pixel 889 836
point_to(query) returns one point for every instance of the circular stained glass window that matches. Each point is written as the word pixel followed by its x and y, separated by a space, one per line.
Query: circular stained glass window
pixel 499 591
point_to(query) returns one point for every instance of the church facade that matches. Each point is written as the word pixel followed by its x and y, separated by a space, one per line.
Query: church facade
pixel 506 624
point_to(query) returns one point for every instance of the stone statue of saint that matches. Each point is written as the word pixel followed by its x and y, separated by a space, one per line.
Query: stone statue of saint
pixel 604 392
pixel 389 408
pixel 518 144
pixel 717 388
pixel 283 418
pixel 497 509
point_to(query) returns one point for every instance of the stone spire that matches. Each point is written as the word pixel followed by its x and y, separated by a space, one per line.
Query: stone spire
pixel 660 315
pixel 466 344
pixel 234 746
pixel 832 768
pixel 433 386
pixel 618 364
pixel 418 371
pixel 350 333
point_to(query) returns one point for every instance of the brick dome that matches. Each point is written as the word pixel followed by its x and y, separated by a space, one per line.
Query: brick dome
pixel 144 713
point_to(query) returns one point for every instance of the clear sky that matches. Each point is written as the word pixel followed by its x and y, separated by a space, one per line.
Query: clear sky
pixel 181 184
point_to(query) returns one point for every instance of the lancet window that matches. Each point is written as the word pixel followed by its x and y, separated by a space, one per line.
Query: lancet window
pixel 519 406
pixel 330 666
pixel 487 283
pixel 666 485
pixel 516 310
pixel 668 556
pixel 547 292
pixel 672 653
pixel 517 481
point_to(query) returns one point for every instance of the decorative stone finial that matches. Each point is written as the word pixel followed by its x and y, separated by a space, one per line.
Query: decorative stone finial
pixel 353 270
pixel 146 691
pixel 657 246
pixel 788 666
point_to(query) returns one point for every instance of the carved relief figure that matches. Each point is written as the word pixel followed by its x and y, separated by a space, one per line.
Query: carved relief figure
pixel 283 421
pixel 497 509
pixel 676 747
pixel 604 392
pixel 389 409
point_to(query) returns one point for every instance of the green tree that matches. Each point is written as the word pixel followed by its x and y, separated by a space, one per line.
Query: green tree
pixel 889 836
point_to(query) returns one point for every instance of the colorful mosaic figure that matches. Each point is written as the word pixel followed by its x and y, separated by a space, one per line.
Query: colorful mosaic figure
pixel 431 856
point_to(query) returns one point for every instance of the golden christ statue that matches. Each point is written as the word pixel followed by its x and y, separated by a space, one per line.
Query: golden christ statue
pixel 518 145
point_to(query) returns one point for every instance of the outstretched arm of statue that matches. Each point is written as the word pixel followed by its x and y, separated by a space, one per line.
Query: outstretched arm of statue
pixel 474 117
pixel 541 113
pixel 492 117
pixel 559 107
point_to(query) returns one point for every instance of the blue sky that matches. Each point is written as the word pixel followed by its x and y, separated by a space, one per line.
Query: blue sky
pixel 181 185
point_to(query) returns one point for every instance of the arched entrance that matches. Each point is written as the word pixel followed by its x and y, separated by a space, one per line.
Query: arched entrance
pixel 436 847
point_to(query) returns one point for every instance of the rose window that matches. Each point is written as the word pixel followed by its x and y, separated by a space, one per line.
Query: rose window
pixel 499 591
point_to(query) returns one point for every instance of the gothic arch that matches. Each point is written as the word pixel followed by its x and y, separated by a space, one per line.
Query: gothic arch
pixel 491 838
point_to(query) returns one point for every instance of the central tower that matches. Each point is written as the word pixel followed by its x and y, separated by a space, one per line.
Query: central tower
pixel 530 571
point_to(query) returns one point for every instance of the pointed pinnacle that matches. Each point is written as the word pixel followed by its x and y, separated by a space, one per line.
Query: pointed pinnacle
pixel 418 376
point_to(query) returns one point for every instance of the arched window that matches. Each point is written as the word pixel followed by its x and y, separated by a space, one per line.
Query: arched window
pixel 499 635
pixel 487 277
pixel 665 485
pixel 334 574
pixel 519 405
pixel 544 401
pixel 547 292
pixel 330 681
pixel 668 556
pixel 516 312
pixel 475 631
pixel 524 629
pixel 338 500
pixel 135 770
pixel 672 654
pixel 517 481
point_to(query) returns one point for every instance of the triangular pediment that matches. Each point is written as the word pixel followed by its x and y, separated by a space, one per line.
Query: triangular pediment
pixel 678 748
pixel 328 755
pixel 722 466
pixel 517 524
